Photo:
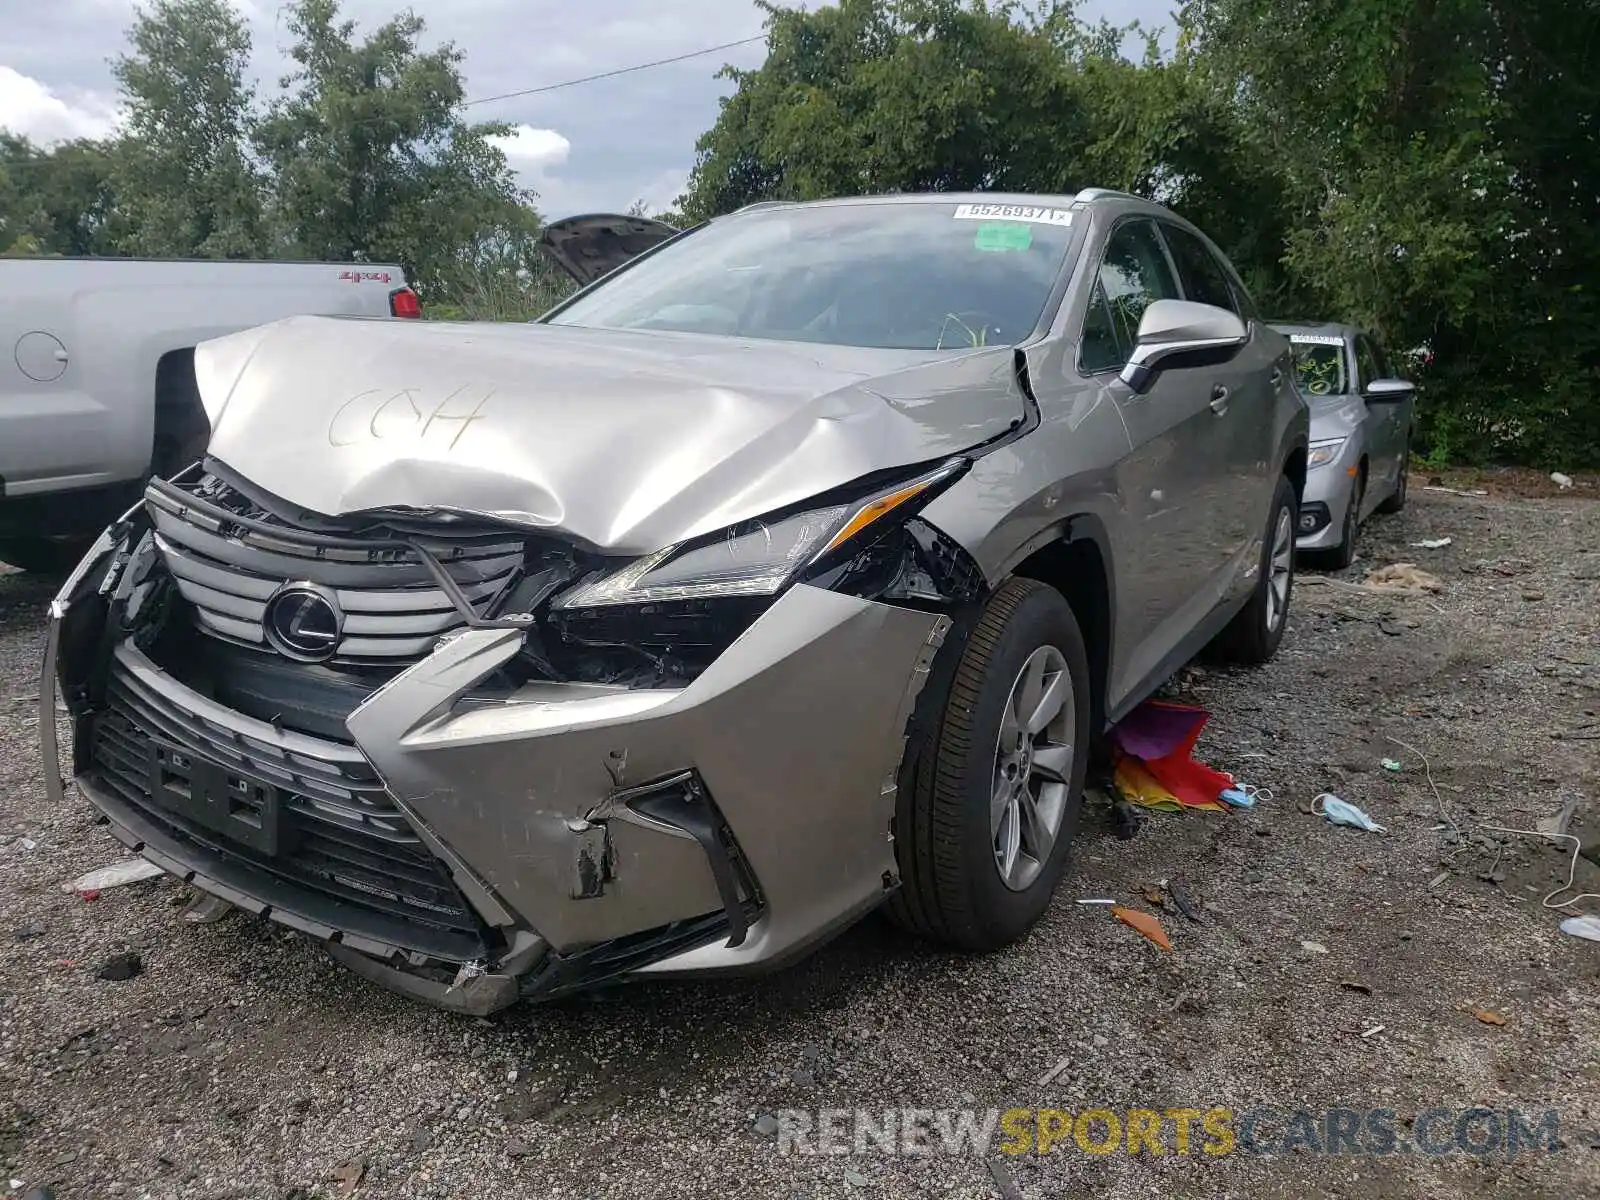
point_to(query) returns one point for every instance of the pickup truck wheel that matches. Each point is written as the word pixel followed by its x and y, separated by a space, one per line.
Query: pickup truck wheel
pixel 1256 631
pixel 44 556
pixel 987 815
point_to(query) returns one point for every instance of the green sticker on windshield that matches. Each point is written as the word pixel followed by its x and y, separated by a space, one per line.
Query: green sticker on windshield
pixel 1003 235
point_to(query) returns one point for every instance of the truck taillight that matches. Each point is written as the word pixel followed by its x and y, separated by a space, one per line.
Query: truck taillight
pixel 403 302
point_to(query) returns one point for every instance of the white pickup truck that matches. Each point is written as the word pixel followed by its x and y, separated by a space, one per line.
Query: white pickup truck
pixel 97 388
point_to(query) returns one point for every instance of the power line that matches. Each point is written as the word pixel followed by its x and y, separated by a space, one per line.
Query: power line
pixel 660 62
pixel 533 91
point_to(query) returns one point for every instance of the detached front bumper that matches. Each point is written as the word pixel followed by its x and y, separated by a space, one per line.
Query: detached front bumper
pixel 592 832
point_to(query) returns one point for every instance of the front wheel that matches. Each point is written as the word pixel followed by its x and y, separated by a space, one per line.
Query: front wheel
pixel 989 808
pixel 1342 555
pixel 1254 634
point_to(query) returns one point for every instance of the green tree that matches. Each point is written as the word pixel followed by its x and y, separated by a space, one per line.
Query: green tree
pixel 899 95
pixel 186 185
pixel 372 158
pixel 57 201
pixel 22 220
pixel 1439 181
pixel 1532 349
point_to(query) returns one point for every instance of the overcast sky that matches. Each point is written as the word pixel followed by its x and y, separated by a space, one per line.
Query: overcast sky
pixel 594 146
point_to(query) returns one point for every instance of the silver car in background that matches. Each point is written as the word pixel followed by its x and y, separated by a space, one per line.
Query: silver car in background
pixel 785 571
pixel 1362 421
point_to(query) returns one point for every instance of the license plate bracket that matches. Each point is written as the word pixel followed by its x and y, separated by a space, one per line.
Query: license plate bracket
pixel 240 809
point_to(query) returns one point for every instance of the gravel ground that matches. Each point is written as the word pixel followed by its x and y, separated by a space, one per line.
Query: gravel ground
pixel 243 1063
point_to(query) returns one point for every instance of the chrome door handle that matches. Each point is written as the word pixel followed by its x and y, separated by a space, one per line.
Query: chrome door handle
pixel 1219 399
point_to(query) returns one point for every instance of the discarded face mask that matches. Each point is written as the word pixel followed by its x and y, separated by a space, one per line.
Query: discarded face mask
pixel 1243 795
pixel 1342 812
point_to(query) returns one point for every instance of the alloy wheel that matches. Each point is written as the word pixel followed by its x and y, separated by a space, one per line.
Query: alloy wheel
pixel 1032 767
pixel 1282 568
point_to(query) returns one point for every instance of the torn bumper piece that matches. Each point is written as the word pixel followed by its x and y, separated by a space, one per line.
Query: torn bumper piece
pixel 469 852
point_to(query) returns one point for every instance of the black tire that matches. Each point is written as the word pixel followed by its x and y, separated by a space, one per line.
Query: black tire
pixel 1342 555
pixel 44 556
pixel 951 889
pixel 1395 501
pixel 1251 637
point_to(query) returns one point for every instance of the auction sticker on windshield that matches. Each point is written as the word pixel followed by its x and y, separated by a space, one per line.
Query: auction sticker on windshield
pixel 1013 212
pixel 1316 339
pixel 999 235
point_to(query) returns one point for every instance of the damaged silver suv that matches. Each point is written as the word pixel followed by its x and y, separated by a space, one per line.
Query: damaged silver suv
pixel 787 570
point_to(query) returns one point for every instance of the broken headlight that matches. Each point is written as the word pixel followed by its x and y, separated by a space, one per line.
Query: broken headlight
pixel 758 558
pixel 667 616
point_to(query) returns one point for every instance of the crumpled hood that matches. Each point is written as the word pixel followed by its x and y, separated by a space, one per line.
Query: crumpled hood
pixel 628 441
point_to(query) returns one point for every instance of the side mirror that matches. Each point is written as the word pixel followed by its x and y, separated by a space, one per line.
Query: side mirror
pixel 1390 391
pixel 1178 333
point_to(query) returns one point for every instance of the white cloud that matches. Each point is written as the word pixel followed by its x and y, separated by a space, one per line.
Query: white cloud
pixel 659 192
pixel 530 149
pixel 30 108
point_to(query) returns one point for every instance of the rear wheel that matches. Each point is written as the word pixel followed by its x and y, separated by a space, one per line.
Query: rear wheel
pixel 44 556
pixel 1254 634
pixel 1396 500
pixel 988 810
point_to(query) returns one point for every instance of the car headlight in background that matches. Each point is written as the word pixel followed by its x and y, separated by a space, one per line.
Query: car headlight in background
pixel 757 558
pixel 1324 452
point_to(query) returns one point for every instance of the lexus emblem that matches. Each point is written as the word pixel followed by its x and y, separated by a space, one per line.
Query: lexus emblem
pixel 302 621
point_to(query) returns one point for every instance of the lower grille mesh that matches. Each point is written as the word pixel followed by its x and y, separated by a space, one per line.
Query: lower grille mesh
pixel 338 836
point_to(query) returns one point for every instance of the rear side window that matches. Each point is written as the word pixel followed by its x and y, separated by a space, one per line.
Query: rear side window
pixel 1204 279
pixel 1133 275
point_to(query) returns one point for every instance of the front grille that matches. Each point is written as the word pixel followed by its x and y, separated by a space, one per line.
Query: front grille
pixel 338 838
pixel 228 556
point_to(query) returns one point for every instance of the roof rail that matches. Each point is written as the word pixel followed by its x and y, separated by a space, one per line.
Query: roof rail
pixel 763 204
pixel 1099 193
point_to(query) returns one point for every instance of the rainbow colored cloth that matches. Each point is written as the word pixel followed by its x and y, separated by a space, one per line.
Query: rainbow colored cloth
pixel 1152 746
